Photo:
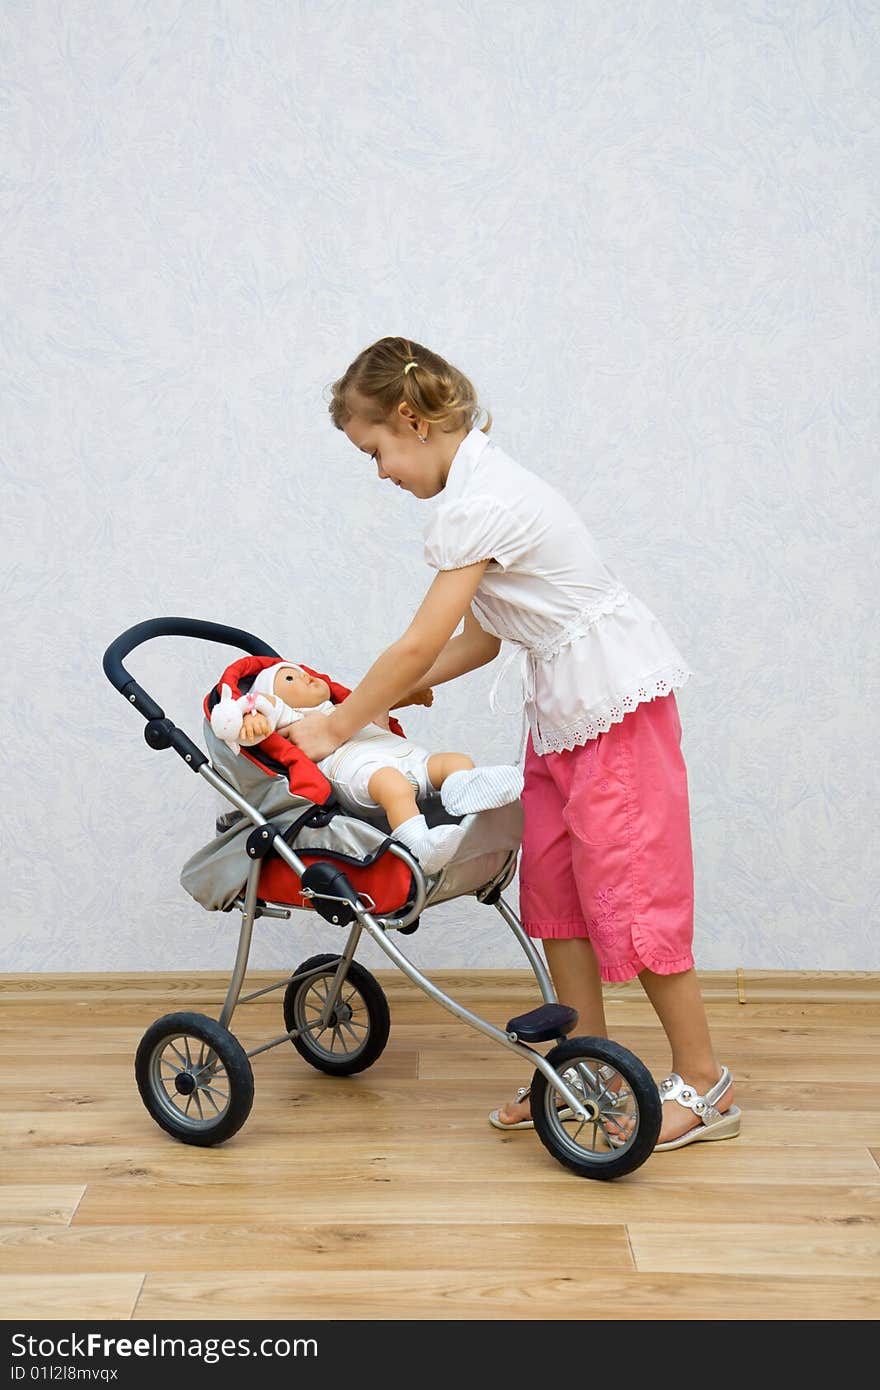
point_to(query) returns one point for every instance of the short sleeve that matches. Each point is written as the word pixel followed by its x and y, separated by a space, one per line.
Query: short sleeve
pixel 466 530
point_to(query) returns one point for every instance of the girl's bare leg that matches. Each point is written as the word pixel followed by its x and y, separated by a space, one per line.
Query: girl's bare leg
pixel 576 979
pixel 678 1004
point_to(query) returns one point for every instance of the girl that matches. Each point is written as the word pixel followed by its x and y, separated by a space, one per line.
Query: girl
pixel 606 870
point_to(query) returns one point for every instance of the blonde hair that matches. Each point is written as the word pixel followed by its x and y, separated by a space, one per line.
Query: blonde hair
pixel 376 382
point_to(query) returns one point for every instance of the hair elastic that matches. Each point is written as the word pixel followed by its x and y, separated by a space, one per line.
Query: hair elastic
pixel 408 365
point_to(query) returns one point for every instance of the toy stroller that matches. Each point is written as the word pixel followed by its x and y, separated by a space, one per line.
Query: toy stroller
pixel 595 1106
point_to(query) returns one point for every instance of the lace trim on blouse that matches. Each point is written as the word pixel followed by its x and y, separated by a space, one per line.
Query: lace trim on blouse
pixel 586 728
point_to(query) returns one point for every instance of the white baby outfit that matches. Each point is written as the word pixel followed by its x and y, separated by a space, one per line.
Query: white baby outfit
pixel 589 649
pixel 349 768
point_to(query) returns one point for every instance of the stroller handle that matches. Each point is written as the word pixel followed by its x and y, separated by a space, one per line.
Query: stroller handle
pixel 160 732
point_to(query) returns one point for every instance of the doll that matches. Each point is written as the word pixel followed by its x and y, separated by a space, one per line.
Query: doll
pixel 376 768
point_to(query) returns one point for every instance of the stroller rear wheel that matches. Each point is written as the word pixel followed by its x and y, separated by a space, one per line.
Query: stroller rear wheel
pixel 356 1031
pixel 195 1078
pixel 621 1097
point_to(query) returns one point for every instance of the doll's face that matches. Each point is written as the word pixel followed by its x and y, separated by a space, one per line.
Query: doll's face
pixel 300 690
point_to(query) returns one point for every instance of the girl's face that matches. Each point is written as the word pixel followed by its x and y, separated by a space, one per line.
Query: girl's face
pixel 399 454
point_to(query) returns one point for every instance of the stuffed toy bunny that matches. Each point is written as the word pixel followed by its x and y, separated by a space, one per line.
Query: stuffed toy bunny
pixel 228 713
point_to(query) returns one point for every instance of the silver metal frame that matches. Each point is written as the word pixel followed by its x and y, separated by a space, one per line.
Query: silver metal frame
pixel 378 927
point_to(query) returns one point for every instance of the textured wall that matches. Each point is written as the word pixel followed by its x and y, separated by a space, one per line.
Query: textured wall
pixel 647 231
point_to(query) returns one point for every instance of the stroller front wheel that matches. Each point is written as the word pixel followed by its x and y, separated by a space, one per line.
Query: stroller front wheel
pixel 622 1101
pixel 354 1033
pixel 195 1078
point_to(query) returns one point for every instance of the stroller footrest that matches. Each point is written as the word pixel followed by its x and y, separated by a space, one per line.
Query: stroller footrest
pixel 546 1022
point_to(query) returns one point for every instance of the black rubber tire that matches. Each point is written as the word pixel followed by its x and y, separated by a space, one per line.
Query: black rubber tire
pixel 552 1132
pixel 378 1018
pixel 239 1079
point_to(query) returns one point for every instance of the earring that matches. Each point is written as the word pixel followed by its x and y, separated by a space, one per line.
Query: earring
pixel 423 438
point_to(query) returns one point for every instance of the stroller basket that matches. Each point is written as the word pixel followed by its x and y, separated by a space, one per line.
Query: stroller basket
pixel 594 1104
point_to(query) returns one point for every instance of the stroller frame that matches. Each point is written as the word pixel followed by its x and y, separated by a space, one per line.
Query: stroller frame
pixel 573 1082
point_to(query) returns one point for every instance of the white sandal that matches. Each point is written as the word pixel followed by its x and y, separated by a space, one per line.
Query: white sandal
pixel 495 1115
pixel 565 1113
pixel 714 1124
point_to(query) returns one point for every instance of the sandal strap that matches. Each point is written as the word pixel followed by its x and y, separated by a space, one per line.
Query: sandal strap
pixel 673 1087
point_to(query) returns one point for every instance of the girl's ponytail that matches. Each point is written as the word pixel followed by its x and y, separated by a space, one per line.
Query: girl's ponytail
pixel 398 369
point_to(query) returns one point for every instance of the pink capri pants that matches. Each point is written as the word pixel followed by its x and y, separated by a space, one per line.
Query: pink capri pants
pixel 606 850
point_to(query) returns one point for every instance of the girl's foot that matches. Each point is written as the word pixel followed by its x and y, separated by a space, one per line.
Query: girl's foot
pixel 480 789
pixel 434 848
pixel 514 1111
pixel 680 1119
pixel 517 1113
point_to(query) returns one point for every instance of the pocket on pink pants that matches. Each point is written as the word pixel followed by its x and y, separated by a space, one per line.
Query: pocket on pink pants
pixel 596 810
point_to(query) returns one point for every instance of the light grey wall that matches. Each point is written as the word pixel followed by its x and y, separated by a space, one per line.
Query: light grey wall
pixel 648 232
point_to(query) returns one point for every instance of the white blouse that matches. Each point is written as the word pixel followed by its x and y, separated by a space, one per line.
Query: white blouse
pixel 589 650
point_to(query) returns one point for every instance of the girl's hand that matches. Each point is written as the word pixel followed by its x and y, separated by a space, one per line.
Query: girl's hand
pixel 314 734
pixel 254 728
pixel 416 697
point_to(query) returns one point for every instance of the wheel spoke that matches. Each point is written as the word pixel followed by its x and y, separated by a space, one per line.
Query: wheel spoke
pixel 210 1091
pixel 209 1068
pixel 209 1094
pixel 347 1025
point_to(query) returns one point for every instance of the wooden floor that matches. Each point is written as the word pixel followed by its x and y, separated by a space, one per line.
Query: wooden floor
pixel 389 1195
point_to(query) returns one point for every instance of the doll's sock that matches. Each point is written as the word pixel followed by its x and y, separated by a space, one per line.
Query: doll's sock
pixel 432 847
pixel 481 789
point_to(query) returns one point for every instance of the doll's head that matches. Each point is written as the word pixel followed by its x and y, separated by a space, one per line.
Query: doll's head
pixel 293 685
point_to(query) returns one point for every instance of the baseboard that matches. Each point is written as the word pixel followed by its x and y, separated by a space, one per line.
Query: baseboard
pixel 742 984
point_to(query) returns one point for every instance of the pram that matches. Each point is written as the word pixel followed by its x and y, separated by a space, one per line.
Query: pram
pixel 595 1106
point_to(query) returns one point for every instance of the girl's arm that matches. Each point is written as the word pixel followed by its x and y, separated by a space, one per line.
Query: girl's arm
pixel 472 648
pixel 423 649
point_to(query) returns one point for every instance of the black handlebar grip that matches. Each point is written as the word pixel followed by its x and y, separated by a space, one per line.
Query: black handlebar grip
pixel 170 627
pixel 168 735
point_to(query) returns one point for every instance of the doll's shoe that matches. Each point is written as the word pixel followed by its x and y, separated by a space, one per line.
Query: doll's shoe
pixel 714 1124
pixel 481 789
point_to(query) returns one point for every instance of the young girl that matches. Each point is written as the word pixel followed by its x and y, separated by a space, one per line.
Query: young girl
pixel 606 870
